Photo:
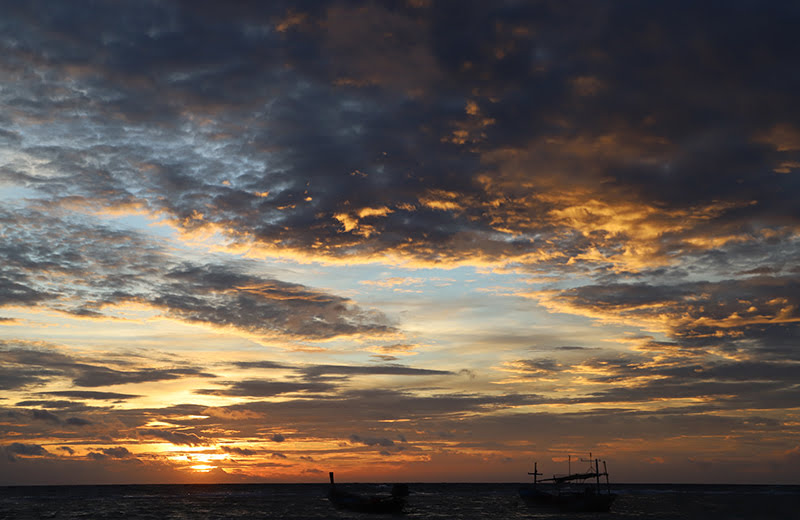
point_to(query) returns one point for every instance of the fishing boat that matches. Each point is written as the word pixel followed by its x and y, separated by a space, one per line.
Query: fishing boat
pixel 579 492
pixel 377 503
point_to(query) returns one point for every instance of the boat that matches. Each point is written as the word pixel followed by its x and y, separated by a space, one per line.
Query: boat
pixel 578 492
pixel 377 503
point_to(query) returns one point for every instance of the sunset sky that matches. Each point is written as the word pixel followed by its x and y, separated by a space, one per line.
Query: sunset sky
pixel 402 241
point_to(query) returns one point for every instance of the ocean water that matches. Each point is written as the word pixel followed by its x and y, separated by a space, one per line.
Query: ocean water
pixel 426 501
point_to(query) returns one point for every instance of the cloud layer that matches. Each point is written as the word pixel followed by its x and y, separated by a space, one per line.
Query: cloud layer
pixel 221 227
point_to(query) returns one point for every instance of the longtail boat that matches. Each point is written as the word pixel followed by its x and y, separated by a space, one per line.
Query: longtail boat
pixel 378 503
pixel 579 492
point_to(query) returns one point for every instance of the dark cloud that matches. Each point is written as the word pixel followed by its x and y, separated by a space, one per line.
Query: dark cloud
pixel 261 364
pixel 26 450
pixel 221 296
pixel 49 417
pixel 17 378
pixel 175 437
pixel 537 366
pixel 324 143
pixel 315 371
pixel 238 451
pixel 109 267
pixel 14 293
pixel 712 382
pixel 88 394
pixel 314 375
pixel 729 342
pixel 321 371
pixel 47 363
pixel 44 415
pixel 9 138
pixel 355 407
pixel 371 441
pixel 266 388
pixel 100 261
pixel 758 313
pixel 96 455
pixel 118 452
pixel 102 376
pixel 77 421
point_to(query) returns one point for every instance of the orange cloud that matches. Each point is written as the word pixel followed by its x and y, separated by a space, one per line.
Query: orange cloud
pixel 783 137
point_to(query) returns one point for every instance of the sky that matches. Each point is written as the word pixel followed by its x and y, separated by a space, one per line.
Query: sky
pixel 403 241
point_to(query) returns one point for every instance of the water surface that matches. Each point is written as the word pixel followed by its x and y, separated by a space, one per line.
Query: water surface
pixel 426 501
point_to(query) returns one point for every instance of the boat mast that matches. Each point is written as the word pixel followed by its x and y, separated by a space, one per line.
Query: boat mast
pixel 605 470
pixel 597 474
pixel 535 472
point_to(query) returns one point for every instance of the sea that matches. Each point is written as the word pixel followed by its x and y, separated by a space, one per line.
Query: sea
pixel 425 501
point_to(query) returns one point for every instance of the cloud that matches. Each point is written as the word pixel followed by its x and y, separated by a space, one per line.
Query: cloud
pixel 175 437
pixel 315 371
pixel 96 456
pixel 616 169
pixel 238 451
pixel 97 376
pixel 354 407
pixel 349 131
pixel 16 293
pixel 44 415
pixel 261 364
pixel 88 394
pixel 26 450
pixel 314 377
pixel 535 366
pixel 265 388
pixel 77 421
pixel 217 295
pixel 13 378
pixel 84 372
pixel 118 452
pixel 109 267
pixel 731 315
pixel 49 417
pixel 371 441
pixel 48 404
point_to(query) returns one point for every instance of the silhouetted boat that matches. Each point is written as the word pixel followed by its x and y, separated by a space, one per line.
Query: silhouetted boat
pixel 382 503
pixel 571 492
